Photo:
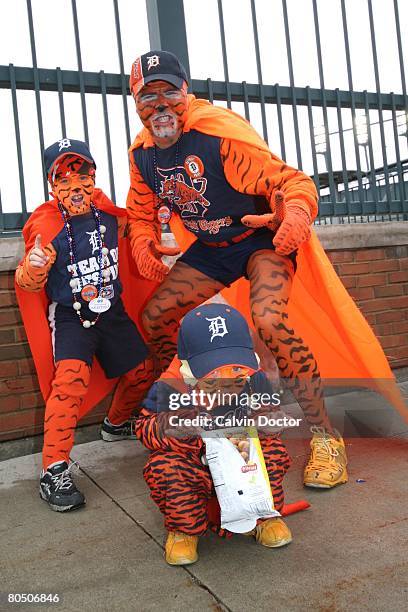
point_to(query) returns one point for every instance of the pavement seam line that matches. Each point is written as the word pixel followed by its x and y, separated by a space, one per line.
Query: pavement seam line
pixel 194 578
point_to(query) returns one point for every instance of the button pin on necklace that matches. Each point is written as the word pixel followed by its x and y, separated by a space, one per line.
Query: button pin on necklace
pixel 165 212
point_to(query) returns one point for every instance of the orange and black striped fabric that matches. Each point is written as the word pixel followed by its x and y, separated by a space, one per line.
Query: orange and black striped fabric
pixel 179 483
pixel 182 487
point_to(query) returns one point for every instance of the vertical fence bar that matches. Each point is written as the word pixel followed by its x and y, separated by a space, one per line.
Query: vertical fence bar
pixel 37 93
pixel 312 141
pixel 167 28
pixel 324 104
pixel 210 91
pixel 246 100
pixel 401 56
pixel 259 69
pixel 61 103
pixel 80 71
pixel 353 104
pixel 280 122
pixel 18 142
pixel 224 52
pixel 292 83
pixel 343 153
pixel 122 71
pixel 107 135
pixel 370 148
pixel 402 191
pixel 380 115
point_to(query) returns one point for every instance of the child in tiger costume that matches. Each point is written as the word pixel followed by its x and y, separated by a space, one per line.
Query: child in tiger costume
pixel 71 261
pixel 204 169
pixel 215 352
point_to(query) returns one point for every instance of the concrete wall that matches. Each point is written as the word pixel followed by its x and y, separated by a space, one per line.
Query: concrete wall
pixel 371 259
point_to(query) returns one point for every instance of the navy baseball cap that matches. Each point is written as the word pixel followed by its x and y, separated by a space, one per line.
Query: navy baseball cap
pixel 63 147
pixel 215 335
pixel 157 66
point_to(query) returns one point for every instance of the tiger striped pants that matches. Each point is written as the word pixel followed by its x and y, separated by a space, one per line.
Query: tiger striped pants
pixel 271 278
pixel 69 388
pixel 181 485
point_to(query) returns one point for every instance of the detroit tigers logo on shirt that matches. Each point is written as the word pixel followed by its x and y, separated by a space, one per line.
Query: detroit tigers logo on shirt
pixel 189 198
pixel 93 240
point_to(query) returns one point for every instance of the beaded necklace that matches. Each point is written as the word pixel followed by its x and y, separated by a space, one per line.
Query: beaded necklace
pixel 164 212
pixel 102 253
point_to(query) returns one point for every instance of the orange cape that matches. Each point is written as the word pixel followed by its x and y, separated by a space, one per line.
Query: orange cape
pixel 46 220
pixel 320 309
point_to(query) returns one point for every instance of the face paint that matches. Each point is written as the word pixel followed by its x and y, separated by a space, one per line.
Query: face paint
pixel 162 109
pixel 228 379
pixel 73 184
pixel 230 371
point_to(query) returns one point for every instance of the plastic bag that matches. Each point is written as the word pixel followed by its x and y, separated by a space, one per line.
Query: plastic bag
pixel 240 478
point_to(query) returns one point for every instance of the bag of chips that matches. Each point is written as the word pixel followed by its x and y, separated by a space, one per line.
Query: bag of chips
pixel 240 478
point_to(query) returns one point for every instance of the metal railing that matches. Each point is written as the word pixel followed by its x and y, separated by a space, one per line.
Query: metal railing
pixel 350 193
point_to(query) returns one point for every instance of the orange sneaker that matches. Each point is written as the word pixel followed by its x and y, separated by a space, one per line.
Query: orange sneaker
pixel 326 467
pixel 273 533
pixel 181 548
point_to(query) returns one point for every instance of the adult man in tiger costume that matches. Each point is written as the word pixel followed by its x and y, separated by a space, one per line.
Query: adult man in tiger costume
pixel 71 263
pixel 205 170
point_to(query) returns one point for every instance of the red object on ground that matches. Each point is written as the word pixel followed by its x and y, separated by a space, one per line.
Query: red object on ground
pixel 295 507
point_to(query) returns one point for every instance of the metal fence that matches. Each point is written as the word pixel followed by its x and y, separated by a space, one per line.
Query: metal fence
pixel 358 190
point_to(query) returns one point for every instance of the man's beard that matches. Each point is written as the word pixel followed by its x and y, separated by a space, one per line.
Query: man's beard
pixel 164 132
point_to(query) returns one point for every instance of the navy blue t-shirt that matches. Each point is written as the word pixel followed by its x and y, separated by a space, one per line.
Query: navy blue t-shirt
pixel 207 204
pixel 87 267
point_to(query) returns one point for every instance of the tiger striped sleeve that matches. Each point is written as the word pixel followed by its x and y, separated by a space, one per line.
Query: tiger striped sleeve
pixel 151 427
pixel 258 172
pixel 143 223
pixel 33 279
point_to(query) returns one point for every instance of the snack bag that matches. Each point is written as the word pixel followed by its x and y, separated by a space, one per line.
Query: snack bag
pixel 240 478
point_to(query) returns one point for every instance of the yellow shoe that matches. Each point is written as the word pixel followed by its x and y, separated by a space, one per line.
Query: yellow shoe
pixel 326 467
pixel 181 548
pixel 273 533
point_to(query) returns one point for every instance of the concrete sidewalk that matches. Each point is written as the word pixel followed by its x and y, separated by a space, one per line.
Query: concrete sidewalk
pixel 349 550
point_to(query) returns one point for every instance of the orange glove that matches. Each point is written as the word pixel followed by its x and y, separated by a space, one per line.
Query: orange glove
pixel 290 222
pixel 270 220
pixel 147 255
pixel 293 231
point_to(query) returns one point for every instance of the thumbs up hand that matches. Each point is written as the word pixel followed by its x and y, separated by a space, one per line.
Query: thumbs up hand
pixel 37 257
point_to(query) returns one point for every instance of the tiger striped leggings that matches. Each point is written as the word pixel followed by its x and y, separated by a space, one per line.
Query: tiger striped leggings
pixel 271 277
pixel 69 388
pixel 181 485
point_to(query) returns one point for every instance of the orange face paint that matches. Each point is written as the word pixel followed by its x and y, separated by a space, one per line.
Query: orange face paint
pixel 74 184
pixel 162 109
pixel 228 379
pixel 230 371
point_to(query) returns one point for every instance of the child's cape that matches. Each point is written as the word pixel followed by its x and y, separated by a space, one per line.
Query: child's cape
pixel 47 221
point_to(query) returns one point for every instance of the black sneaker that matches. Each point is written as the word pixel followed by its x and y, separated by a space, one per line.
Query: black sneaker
pixel 112 433
pixel 58 489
